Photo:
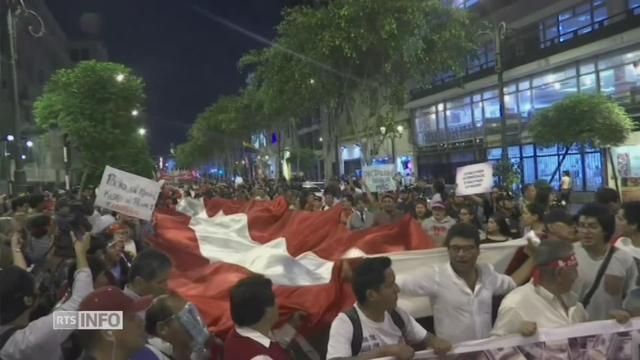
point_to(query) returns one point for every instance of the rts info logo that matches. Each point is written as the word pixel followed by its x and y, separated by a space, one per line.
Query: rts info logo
pixel 87 320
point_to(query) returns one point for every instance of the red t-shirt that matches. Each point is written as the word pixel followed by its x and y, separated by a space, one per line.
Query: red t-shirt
pixel 238 347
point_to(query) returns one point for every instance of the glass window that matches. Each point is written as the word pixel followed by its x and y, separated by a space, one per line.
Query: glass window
pixel 573 22
pixel 510 88
pixel 527 150
pixel 587 67
pixel 442 125
pixel 495 153
pixel 619 59
pixel 635 5
pixel 523 85
pixel 426 123
pixel 546 167
pixel 524 102
pixel 490 94
pixel 551 93
pixel 514 152
pixel 551 150
pixel 529 170
pixel 588 84
pixel 620 82
pixel 593 171
pixel 491 108
pixel 573 164
pixel 459 114
pixel 477 114
pixel 511 104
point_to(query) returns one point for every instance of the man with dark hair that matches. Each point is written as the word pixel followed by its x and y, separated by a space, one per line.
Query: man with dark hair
pixel 37 203
pixel 25 340
pixel 20 204
pixel 628 224
pixel 461 292
pixel 528 195
pixel 39 228
pixel 608 197
pixel 388 214
pixel 172 320
pixel 254 312
pixel 375 327
pixel 149 274
pixel 601 294
pixel 114 344
pixel 543 303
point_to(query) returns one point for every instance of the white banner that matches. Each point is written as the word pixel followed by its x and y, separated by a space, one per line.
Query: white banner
pixel 379 178
pixel 127 193
pixel 591 340
pixel 474 179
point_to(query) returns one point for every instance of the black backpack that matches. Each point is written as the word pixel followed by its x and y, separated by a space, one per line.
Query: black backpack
pixel 356 339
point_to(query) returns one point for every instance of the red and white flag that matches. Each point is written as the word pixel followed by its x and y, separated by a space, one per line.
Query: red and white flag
pixel 215 243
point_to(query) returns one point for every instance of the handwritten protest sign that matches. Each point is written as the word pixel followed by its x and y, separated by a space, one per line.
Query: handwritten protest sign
pixel 474 179
pixel 592 340
pixel 127 193
pixel 379 178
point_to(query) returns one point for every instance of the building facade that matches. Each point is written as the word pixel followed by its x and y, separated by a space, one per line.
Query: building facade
pixel 552 49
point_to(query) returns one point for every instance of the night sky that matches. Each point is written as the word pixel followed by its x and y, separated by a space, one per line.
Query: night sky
pixel 186 59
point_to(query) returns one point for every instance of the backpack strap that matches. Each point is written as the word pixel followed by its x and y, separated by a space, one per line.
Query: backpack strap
pixel 6 335
pixel 398 321
pixel 598 279
pixel 356 338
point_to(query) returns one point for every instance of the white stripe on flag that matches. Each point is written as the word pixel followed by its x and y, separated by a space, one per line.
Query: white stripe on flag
pixel 226 238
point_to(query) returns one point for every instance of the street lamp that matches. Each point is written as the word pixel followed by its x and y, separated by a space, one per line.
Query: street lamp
pixel 10 138
pixel 312 81
pixel 383 130
pixel 142 131
pixel 135 112
pixel 120 78
pixel 400 129
pixel 29 143
pixel 320 139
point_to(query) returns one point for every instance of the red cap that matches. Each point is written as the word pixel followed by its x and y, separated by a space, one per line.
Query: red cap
pixel 116 228
pixel 112 298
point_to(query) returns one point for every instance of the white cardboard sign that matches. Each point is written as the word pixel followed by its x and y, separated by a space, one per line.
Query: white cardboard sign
pixel 474 179
pixel 127 193
pixel 379 178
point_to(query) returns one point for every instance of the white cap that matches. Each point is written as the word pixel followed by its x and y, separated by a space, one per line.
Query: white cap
pixel 102 223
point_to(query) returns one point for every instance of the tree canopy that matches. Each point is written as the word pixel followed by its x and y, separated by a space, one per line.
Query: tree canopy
pixel 94 104
pixel 348 57
pixel 582 119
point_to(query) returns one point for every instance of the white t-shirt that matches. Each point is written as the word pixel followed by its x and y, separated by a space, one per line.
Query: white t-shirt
pixel 460 313
pixel 374 334
pixel 621 265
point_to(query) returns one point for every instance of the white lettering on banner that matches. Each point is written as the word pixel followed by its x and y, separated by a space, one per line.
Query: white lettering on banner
pixel 379 178
pixel 592 340
pixel 127 193
pixel 474 179
pixel 87 320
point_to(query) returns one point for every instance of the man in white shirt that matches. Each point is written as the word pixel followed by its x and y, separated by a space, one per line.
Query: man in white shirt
pixel 462 291
pixel 375 327
pixel 546 302
pixel 596 226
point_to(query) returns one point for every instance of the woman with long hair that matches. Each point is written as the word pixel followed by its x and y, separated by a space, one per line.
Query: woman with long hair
pixel 497 229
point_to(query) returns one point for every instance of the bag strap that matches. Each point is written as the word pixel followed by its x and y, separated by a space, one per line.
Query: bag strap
pixel 356 338
pixel 596 282
pixel 6 335
pixel 398 321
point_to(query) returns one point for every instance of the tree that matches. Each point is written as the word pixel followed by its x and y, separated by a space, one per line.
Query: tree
pixel 359 54
pixel 93 103
pixel 582 119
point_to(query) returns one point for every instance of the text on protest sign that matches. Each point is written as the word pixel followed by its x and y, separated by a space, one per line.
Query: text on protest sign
pixel 474 179
pixel 379 178
pixel 127 193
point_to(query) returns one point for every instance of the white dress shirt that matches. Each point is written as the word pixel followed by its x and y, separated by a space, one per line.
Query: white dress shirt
pixel 536 304
pixel 460 313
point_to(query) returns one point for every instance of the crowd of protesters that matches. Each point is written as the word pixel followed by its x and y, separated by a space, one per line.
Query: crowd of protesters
pixel 60 253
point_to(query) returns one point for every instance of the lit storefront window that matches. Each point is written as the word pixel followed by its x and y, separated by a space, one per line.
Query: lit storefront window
pixel 578 20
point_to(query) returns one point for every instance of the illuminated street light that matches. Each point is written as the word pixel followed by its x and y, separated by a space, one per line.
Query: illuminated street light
pixel 312 81
pixel 142 131
pixel 321 139
pixel 135 112
pixel 23 157
pixel 383 130
pixel 10 138
pixel 120 77
pixel 29 143
pixel 400 129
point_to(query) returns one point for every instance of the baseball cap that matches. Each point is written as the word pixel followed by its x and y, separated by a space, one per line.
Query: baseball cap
pixel 438 204
pixel 112 298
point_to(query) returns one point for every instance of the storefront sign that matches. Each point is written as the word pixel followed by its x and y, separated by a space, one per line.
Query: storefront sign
pixel 593 340
pixel 127 193
pixel 474 179
pixel 627 163
pixel 379 178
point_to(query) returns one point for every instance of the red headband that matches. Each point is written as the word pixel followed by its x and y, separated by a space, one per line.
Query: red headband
pixel 571 261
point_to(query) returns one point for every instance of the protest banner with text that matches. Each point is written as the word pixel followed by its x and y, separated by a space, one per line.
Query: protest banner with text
pixel 586 341
pixel 474 179
pixel 127 193
pixel 379 178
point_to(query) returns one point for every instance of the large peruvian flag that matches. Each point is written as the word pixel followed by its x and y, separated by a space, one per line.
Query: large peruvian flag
pixel 215 243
